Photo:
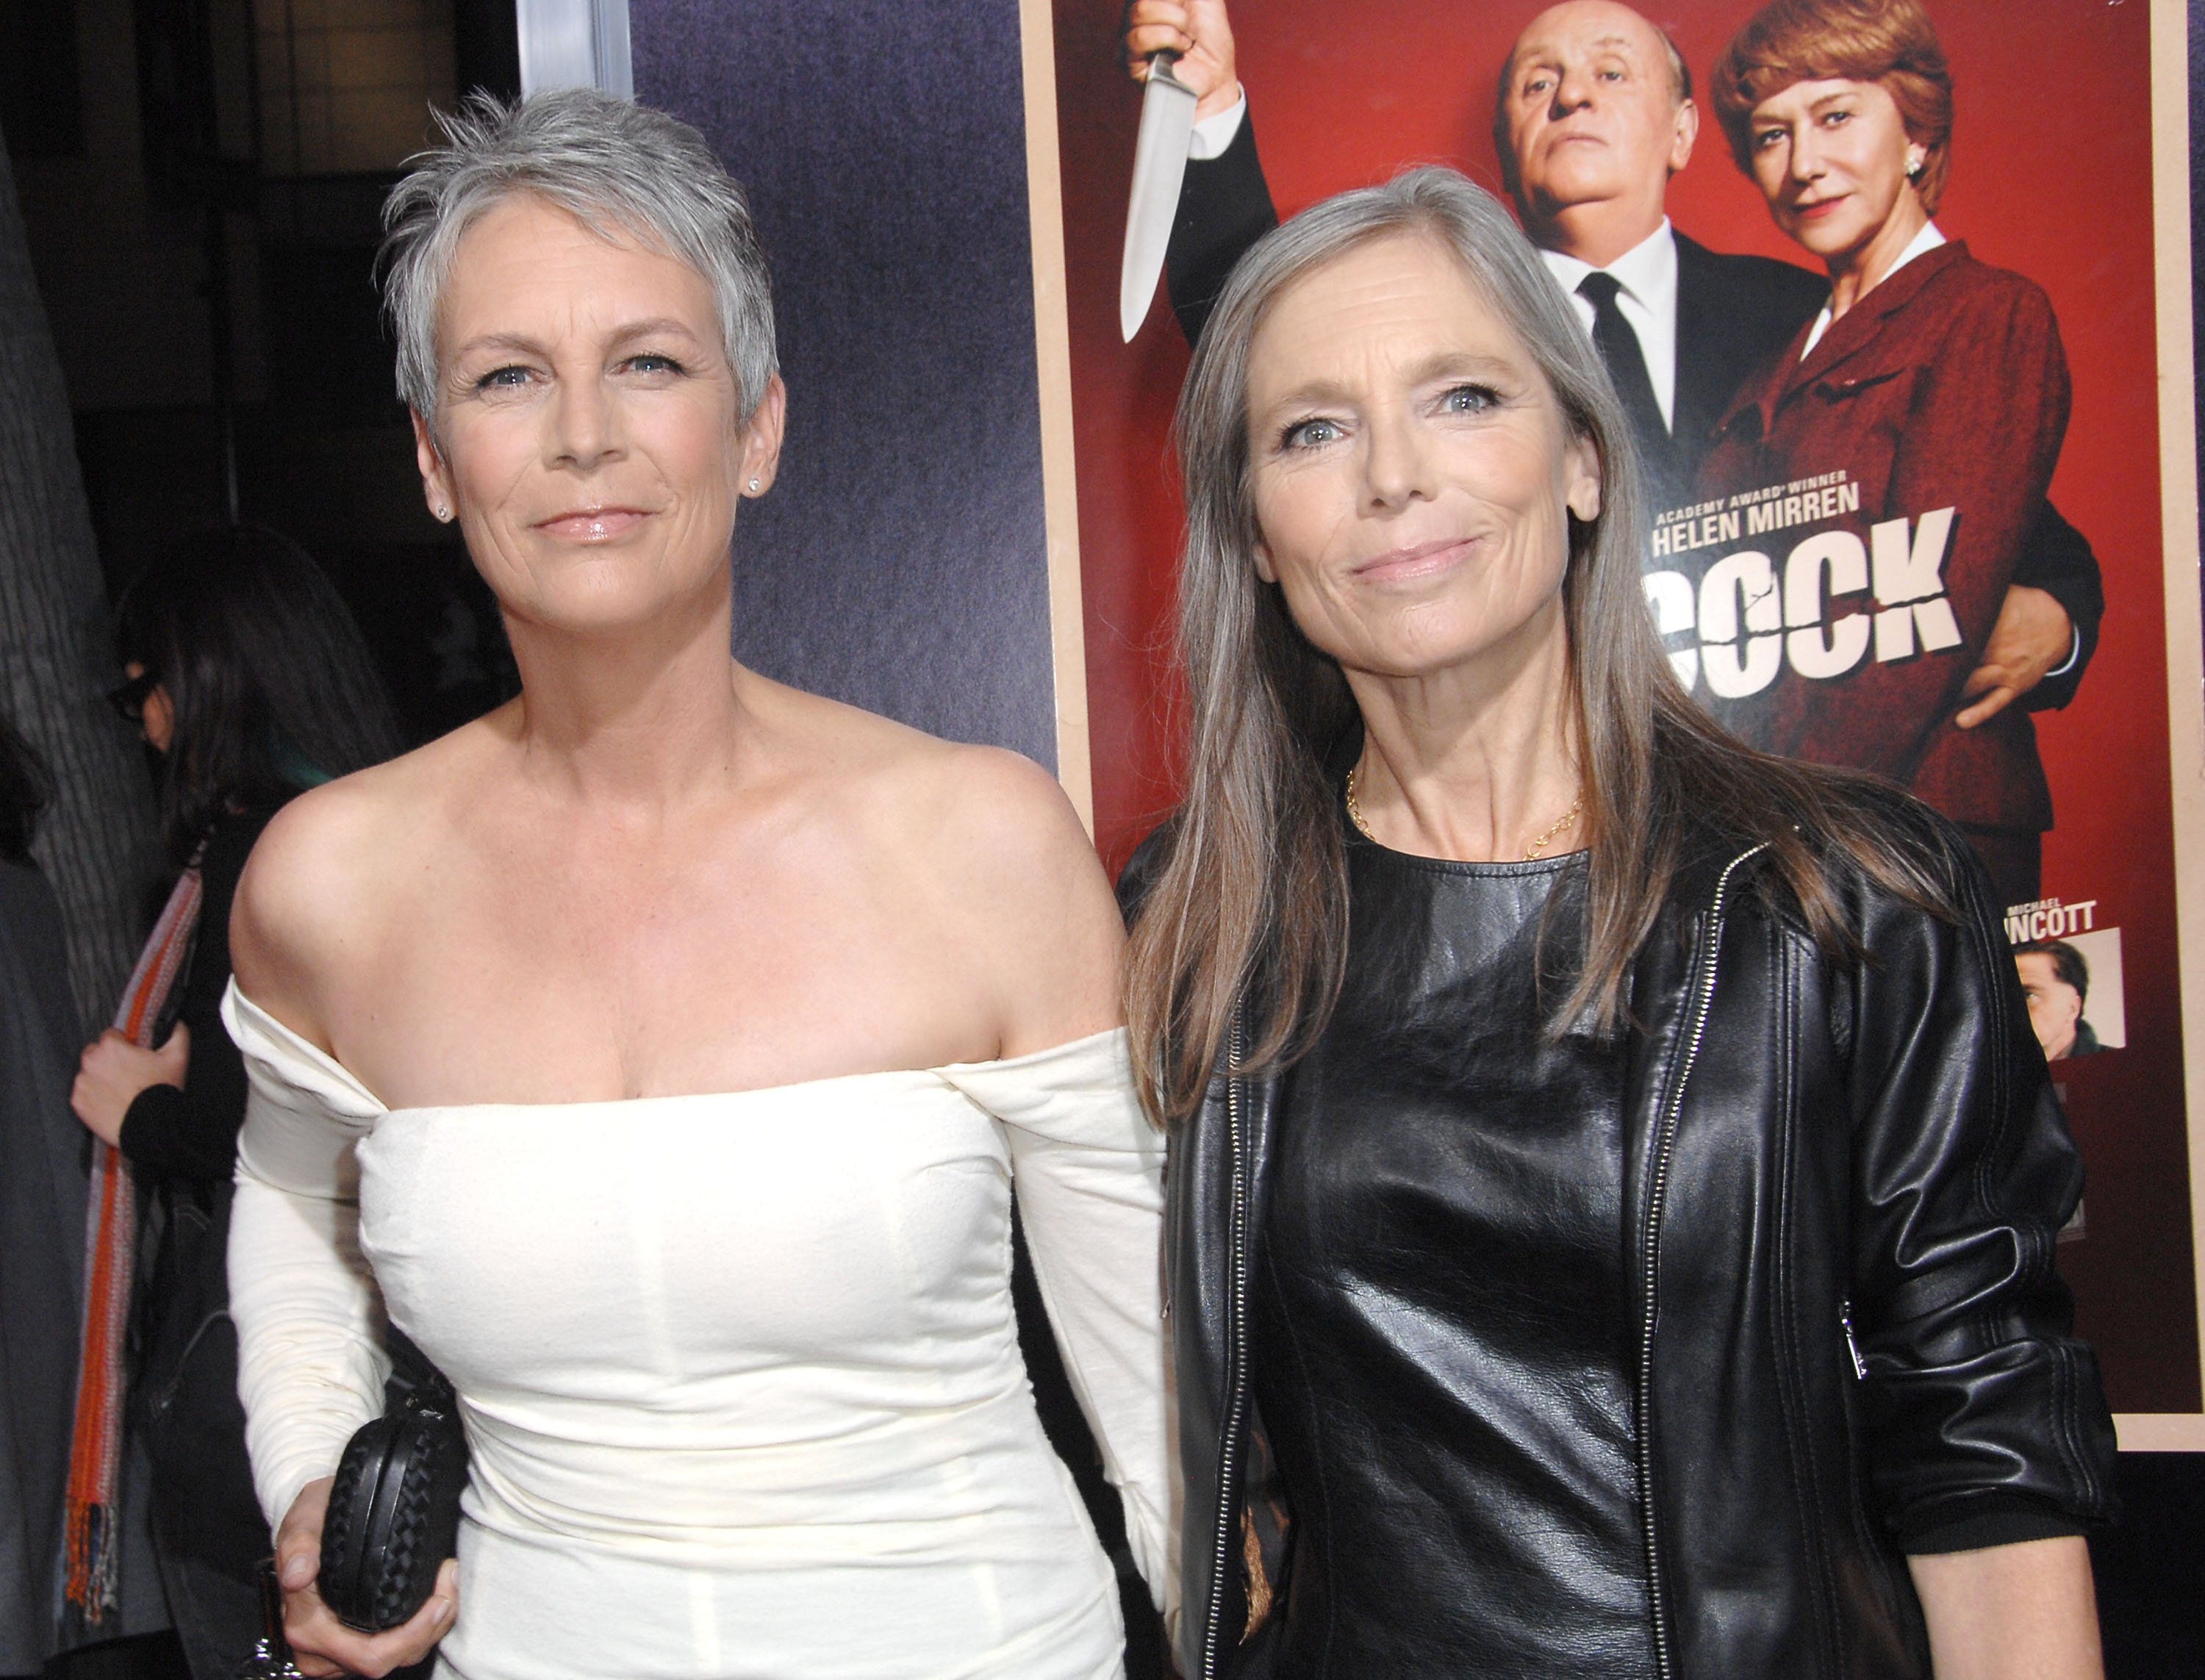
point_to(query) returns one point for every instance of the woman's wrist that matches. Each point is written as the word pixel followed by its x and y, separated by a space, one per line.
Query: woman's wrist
pixel 2005 1610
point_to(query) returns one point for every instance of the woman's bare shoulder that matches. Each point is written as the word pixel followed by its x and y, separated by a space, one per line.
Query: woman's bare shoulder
pixel 986 840
pixel 970 806
pixel 352 827
pixel 330 859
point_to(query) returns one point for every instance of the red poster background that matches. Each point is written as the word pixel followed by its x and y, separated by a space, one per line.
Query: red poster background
pixel 2052 176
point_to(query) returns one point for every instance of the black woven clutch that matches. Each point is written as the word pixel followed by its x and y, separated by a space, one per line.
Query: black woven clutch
pixel 394 1514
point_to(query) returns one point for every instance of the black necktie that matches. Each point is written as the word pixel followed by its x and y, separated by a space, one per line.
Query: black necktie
pixel 1626 366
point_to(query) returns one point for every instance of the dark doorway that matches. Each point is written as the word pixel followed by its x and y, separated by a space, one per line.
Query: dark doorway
pixel 202 182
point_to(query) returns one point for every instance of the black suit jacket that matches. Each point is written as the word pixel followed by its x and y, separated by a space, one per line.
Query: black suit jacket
pixel 1733 314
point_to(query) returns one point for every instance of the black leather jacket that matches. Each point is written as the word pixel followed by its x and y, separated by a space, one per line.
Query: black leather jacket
pixel 1844 1184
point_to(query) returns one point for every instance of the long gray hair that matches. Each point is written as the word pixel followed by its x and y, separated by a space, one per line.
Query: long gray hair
pixel 1246 911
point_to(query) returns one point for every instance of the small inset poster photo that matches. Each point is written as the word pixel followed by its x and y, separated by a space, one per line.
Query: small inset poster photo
pixel 2073 985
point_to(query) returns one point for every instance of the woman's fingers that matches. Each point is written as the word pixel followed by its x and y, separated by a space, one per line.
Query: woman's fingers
pixel 314 1632
pixel 111 1072
pixel 325 1647
pixel 444 1598
pixel 298 1536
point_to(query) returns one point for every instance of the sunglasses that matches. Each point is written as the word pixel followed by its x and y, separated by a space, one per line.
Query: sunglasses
pixel 129 699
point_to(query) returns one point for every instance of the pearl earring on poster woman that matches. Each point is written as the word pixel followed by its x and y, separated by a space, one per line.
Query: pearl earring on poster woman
pixel 754 487
pixel 443 514
pixel 1914 169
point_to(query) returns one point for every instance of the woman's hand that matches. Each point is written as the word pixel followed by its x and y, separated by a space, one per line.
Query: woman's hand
pixel 113 1070
pixel 322 1646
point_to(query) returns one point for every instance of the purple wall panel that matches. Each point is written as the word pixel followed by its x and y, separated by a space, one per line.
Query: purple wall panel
pixel 899 563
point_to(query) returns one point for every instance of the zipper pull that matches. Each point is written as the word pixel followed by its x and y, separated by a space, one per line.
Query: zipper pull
pixel 1846 1318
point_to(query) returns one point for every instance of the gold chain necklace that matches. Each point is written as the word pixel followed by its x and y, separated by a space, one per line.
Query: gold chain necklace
pixel 1531 852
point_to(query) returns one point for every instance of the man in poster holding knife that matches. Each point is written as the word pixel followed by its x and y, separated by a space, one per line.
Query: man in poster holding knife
pixel 1594 114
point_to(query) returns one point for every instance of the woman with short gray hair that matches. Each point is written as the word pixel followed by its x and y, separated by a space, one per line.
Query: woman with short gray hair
pixel 658 1050
pixel 1613 1187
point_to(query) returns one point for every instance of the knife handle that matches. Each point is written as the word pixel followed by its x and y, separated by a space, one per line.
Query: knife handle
pixel 1160 64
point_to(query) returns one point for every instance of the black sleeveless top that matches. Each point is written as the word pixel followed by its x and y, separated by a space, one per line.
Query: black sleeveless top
pixel 1443 1348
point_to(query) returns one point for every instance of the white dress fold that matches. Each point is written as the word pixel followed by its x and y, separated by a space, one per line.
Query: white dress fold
pixel 739 1372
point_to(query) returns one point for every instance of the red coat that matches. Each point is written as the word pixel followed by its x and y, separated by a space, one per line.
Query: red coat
pixel 1944 388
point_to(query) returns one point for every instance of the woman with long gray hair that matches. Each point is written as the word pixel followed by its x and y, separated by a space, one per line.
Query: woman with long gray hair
pixel 1614 1186
pixel 657 1052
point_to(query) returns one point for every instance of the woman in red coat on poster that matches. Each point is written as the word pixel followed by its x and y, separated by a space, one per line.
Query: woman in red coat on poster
pixel 1887 465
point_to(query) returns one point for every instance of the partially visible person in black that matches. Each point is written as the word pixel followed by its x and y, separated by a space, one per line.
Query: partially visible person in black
pixel 251 680
pixel 26 790
pixel 41 1223
pixel 1592 114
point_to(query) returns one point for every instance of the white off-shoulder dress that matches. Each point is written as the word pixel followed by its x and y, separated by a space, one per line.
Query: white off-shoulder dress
pixel 739 1372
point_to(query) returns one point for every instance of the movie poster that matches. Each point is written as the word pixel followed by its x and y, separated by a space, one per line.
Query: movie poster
pixel 1843 562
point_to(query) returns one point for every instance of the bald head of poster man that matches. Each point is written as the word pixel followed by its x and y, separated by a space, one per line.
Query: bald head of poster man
pixel 1592 115
pixel 1594 111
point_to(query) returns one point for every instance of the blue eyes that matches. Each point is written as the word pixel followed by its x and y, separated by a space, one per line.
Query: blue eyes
pixel 1308 434
pixel 513 377
pixel 1316 433
pixel 1829 119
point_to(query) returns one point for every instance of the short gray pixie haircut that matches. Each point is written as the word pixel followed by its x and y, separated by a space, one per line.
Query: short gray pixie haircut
pixel 617 168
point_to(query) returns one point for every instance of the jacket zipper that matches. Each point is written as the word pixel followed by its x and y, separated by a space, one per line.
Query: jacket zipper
pixel 1664 1141
pixel 1852 1346
pixel 1236 1376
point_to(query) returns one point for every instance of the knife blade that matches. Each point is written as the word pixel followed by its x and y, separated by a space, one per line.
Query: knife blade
pixel 1158 164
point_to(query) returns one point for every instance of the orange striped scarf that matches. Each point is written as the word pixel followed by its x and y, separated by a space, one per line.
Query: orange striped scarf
pixel 94 1539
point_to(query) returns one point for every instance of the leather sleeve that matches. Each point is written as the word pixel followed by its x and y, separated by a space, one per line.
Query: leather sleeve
pixel 1224 207
pixel 1976 1392
pixel 1990 1519
pixel 2057 559
pixel 1142 868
